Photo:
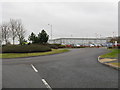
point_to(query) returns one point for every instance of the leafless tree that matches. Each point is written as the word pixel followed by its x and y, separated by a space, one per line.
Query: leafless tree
pixel 20 31
pixel 13 28
pixel 5 31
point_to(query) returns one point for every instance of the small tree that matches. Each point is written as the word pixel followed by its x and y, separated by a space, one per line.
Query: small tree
pixel 43 37
pixel 33 38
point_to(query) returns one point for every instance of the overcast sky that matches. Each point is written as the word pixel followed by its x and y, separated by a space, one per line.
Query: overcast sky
pixel 70 19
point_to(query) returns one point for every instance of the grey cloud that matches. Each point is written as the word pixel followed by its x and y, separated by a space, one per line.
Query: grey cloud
pixel 80 19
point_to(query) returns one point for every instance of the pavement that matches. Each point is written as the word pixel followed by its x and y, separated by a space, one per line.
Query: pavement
pixel 109 62
pixel 78 68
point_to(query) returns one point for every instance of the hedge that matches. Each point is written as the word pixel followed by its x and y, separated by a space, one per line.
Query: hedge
pixel 25 48
pixel 56 46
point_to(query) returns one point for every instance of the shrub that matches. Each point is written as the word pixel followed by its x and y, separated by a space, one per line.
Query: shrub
pixel 56 46
pixel 78 47
pixel 53 46
pixel 25 48
pixel 61 46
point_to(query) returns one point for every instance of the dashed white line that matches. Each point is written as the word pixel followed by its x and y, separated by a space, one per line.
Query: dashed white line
pixel 46 84
pixel 34 68
pixel 43 80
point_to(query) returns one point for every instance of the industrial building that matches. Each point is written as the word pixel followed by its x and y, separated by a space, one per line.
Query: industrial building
pixel 79 40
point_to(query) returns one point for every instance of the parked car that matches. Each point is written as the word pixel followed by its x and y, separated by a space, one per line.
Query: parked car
pixel 92 45
pixel 76 45
pixel 68 46
pixel 118 45
pixel 109 45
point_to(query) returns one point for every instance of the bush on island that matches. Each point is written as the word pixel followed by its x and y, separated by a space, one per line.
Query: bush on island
pixel 25 48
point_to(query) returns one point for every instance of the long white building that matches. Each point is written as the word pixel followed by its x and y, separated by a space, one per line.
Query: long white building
pixel 79 40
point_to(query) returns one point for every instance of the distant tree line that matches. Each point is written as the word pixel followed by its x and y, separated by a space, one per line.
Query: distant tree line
pixel 14 29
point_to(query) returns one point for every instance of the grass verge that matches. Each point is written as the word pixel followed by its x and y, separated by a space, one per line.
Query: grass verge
pixel 116 64
pixel 113 54
pixel 18 55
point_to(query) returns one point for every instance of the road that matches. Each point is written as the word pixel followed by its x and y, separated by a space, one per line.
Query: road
pixel 78 68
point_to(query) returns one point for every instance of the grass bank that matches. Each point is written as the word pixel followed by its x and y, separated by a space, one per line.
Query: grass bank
pixel 18 55
pixel 116 64
pixel 113 54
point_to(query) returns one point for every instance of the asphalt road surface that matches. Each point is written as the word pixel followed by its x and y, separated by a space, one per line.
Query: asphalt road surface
pixel 78 68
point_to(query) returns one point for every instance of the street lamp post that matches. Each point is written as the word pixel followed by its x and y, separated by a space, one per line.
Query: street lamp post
pixel 51 30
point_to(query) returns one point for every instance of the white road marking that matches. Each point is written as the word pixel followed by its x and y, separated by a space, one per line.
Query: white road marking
pixel 43 80
pixel 46 84
pixel 34 68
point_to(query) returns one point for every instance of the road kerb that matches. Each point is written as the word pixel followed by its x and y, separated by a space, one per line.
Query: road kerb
pixel 107 64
